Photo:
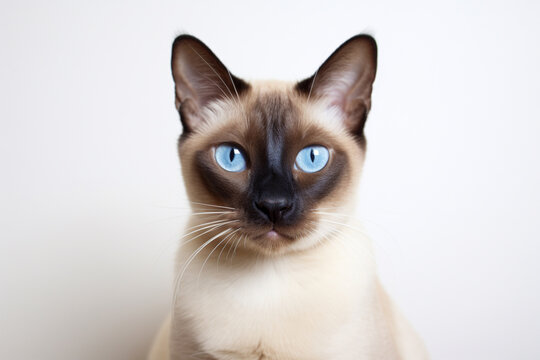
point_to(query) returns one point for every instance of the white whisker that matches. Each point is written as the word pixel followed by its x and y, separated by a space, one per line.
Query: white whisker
pixel 237 243
pixel 342 224
pixel 200 227
pixel 212 228
pixel 212 213
pixel 335 214
pixel 179 277
pixel 211 205
pixel 312 83
pixel 214 249
pixel 230 248
pixel 223 248
pixel 244 112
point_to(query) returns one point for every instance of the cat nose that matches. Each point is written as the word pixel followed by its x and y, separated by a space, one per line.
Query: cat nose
pixel 274 208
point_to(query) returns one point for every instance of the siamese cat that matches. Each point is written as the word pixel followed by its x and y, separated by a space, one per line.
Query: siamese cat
pixel 272 266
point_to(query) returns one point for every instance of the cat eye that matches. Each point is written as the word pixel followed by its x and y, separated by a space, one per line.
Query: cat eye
pixel 312 158
pixel 230 158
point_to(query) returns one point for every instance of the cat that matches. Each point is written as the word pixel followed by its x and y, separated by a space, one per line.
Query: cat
pixel 271 265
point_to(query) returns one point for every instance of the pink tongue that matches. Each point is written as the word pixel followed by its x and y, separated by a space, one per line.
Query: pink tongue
pixel 272 234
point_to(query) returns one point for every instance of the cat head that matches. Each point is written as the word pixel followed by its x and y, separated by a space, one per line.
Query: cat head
pixel 272 158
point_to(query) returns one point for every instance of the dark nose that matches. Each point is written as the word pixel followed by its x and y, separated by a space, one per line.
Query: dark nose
pixel 274 208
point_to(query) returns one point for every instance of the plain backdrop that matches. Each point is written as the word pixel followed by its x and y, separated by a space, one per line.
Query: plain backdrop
pixel 91 198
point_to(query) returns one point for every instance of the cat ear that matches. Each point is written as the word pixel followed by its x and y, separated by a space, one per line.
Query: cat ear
pixel 200 78
pixel 345 81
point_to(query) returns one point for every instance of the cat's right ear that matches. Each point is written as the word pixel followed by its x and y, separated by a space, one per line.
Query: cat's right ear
pixel 345 80
pixel 200 78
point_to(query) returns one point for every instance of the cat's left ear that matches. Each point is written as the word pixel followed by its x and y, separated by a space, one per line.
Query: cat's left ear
pixel 345 81
pixel 200 78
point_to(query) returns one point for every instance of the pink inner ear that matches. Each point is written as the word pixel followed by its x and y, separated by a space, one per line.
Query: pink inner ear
pixel 338 89
pixel 345 81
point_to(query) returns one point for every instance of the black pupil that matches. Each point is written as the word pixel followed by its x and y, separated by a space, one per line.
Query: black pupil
pixel 312 155
pixel 231 154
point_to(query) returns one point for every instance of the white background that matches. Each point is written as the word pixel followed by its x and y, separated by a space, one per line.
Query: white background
pixel 91 198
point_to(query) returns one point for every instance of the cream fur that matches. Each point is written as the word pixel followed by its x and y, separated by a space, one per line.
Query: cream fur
pixel 325 303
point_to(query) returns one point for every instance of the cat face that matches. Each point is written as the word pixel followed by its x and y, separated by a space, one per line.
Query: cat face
pixel 272 157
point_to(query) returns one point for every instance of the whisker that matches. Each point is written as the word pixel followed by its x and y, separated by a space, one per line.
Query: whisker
pixel 223 248
pixel 211 252
pixel 342 224
pixel 211 205
pixel 207 225
pixel 200 227
pixel 204 224
pixel 328 208
pixel 180 276
pixel 232 82
pixel 364 220
pixel 199 249
pixel 334 214
pixel 312 83
pixel 237 243
pixel 206 232
pixel 241 105
pixel 230 248
pixel 344 235
pixel 212 213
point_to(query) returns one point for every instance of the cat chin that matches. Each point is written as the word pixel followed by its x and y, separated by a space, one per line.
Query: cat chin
pixel 273 242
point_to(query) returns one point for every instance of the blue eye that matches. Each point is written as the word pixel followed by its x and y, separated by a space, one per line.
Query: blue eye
pixel 230 158
pixel 312 158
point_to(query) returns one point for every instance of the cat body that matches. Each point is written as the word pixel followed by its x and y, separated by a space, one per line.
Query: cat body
pixel 270 266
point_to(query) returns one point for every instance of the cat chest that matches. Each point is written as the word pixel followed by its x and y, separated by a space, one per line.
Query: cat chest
pixel 271 316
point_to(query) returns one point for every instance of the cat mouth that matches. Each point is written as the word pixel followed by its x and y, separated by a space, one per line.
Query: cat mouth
pixel 274 235
pixel 272 239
